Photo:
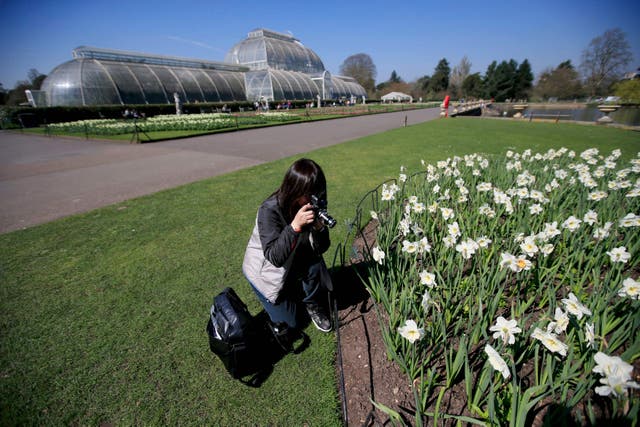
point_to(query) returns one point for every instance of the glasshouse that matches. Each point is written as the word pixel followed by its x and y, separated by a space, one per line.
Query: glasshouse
pixel 266 66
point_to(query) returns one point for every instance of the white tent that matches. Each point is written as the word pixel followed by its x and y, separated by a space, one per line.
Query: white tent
pixel 396 97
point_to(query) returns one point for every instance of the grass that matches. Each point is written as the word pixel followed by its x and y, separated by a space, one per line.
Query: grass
pixel 102 315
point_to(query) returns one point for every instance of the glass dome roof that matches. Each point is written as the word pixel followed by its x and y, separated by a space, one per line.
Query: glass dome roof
pixel 264 49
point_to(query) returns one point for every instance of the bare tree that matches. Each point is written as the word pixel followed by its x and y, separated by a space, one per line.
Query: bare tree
pixel 361 67
pixel 604 60
pixel 458 75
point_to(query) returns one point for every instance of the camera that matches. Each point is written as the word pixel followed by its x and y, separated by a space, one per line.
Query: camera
pixel 319 206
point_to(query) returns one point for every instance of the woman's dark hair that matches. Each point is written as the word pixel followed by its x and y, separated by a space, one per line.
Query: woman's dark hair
pixel 304 178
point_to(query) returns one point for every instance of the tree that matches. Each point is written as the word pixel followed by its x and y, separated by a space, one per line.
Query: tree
pixel 489 82
pixel 361 67
pixel 458 75
pixel 562 82
pixel 505 80
pixel 628 90
pixel 472 86
pixel 524 80
pixel 440 80
pixel 603 62
pixel 395 78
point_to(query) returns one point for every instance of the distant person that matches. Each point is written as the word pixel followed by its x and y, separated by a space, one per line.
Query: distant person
pixel 283 259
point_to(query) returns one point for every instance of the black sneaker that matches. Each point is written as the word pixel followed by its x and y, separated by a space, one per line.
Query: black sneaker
pixel 318 317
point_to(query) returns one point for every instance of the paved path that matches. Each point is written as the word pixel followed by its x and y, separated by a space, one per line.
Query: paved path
pixel 42 179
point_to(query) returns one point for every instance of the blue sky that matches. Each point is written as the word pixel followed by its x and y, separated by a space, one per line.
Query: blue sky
pixel 407 36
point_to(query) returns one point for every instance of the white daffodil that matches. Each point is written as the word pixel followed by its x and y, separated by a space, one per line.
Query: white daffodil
pixel 611 366
pixel 619 254
pixel 575 307
pixel 424 245
pixel 449 241
pixel 572 223
pixel 505 329
pixel 509 261
pixel 411 331
pixel 447 213
pixel 547 249
pixel 602 233
pixel 535 209
pixel 378 255
pixel 589 333
pixel 598 195
pixel 454 230
pixel 418 207
pixel 483 241
pixel 630 220
pixel 630 288
pixel 373 214
pixel 467 248
pixel 529 246
pixel 591 217
pixel 427 278
pixel 426 300
pixel 551 341
pixel 409 247
pixel 497 362
pixel 560 323
pixel 615 385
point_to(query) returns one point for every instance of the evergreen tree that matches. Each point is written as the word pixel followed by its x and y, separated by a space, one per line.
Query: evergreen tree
pixel 524 80
pixel 440 79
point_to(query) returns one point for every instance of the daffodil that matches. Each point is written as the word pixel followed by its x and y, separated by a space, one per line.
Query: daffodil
pixel 590 336
pixel 572 223
pixel 378 255
pixel 505 329
pixel 428 279
pixel 551 341
pixel 411 331
pixel 615 385
pixel 575 307
pixel 630 288
pixel 497 362
pixel 611 366
pixel 630 220
pixel 560 323
pixel 619 254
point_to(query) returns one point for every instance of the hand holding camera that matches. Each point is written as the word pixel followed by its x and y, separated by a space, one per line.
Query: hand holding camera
pixel 311 212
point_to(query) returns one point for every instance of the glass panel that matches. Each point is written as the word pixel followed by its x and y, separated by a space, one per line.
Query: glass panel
pixel 258 85
pixel 153 92
pixel 169 82
pixel 97 88
pixel 63 84
pixel 191 88
pixel 130 92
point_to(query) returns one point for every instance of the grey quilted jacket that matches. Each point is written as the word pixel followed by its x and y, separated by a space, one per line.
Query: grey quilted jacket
pixel 276 254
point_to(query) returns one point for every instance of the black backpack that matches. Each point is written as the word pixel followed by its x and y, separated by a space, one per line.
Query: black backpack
pixel 245 344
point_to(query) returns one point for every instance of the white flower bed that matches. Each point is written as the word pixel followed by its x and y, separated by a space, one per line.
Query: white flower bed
pixel 533 258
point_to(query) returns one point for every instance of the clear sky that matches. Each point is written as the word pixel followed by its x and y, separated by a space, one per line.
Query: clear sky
pixel 407 36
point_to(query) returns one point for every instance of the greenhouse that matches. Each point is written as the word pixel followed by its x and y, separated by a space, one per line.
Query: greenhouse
pixel 266 66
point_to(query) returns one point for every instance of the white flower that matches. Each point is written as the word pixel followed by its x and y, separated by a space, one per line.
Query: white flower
pixel 387 195
pixel 574 306
pixel 590 335
pixel 447 213
pixel 411 331
pixel 484 186
pixel 551 230
pixel 547 249
pixel 483 241
pixel 630 288
pixel 535 209
pixel 454 229
pixel 374 215
pixel 409 247
pixel 529 246
pixel 572 223
pixel 497 362
pixel 378 255
pixel 505 329
pixel 602 232
pixel 619 254
pixel 590 217
pixel 427 278
pixel 630 220
pixel 615 385
pixel 611 365
pixel 467 248
pixel 550 341
pixel 418 207
pixel 402 177
pixel 426 300
pixel 449 241
pixel 424 245
pixel 560 323
pixel 598 195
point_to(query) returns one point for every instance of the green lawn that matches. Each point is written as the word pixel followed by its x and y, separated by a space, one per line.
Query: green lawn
pixel 102 315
